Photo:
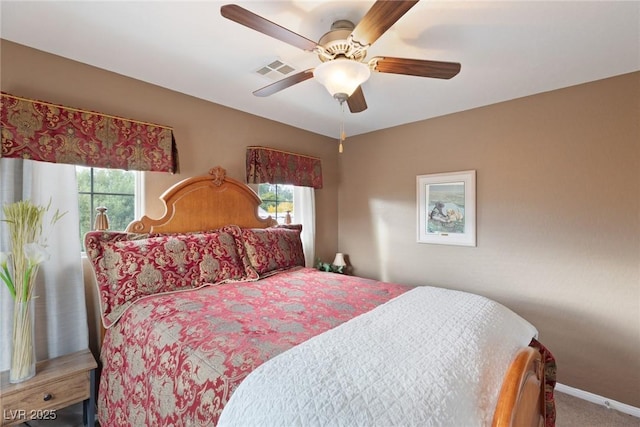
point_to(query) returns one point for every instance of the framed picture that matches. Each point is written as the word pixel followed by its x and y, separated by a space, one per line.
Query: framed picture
pixel 447 208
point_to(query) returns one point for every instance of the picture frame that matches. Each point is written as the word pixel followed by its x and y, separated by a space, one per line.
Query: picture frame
pixel 447 208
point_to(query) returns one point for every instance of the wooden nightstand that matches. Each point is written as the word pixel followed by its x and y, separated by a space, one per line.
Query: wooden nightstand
pixel 58 383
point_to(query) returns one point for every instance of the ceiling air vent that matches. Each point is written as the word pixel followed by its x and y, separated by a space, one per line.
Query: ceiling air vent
pixel 275 70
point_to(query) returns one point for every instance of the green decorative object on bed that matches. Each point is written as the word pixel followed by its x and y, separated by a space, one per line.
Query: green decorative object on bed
pixel 330 268
pixel 338 265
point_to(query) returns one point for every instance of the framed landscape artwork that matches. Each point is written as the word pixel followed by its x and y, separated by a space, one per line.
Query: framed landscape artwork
pixel 447 208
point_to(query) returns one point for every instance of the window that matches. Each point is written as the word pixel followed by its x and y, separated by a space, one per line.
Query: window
pixel 277 200
pixel 115 189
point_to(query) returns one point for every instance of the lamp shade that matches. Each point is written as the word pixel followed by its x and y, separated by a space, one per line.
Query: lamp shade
pixel 341 77
pixel 338 261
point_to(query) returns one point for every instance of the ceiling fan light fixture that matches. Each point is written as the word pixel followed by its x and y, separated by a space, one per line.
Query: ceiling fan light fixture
pixel 341 77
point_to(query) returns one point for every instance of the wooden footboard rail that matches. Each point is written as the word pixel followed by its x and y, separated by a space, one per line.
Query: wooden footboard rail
pixel 522 398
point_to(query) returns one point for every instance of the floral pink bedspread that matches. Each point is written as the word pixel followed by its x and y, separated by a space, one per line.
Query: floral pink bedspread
pixel 175 359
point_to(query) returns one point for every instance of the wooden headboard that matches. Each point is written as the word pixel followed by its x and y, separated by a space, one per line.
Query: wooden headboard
pixel 205 202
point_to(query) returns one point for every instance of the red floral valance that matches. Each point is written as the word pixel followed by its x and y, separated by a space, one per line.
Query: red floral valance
pixel 266 165
pixel 48 132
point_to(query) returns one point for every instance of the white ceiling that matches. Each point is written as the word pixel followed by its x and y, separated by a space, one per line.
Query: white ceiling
pixel 508 49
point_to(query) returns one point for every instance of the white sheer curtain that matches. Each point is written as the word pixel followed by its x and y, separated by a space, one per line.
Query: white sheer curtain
pixel 304 203
pixel 61 314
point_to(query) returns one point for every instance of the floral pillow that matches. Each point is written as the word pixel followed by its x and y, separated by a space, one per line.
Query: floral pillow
pixel 131 266
pixel 236 233
pixel 273 249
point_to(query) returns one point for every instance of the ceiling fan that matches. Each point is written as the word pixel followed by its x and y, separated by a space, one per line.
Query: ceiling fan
pixel 342 52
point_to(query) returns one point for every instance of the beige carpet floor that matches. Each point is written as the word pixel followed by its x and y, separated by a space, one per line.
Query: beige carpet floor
pixel 574 412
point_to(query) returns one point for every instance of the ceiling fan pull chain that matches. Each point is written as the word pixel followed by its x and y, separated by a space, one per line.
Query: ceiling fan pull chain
pixel 343 135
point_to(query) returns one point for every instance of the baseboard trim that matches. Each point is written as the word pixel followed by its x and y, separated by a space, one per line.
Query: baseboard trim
pixel 598 400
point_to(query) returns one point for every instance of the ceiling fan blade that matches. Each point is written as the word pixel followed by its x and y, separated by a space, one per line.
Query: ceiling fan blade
pixel 256 22
pixel 356 101
pixel 284 83
pixel 415 67
pixel 382 15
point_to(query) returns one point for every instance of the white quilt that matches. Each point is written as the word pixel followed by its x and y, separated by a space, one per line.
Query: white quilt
pixel 430 357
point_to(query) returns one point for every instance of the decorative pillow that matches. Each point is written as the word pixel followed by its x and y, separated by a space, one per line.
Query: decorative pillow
pixel 249 272
pixel 273 249
pixel 131 266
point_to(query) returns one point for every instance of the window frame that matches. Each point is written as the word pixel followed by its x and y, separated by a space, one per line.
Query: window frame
pixel 138 194
pixel 282 218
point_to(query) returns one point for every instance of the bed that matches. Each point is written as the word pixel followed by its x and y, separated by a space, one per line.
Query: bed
pixel 211 318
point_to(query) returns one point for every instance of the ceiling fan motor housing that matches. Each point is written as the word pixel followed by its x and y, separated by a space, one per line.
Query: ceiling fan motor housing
pixel 335 43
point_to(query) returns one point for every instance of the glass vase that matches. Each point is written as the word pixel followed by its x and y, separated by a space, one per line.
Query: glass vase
pixel 23 350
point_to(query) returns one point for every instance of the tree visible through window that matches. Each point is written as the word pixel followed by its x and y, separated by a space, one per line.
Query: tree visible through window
pixel 277 200
pixel 114 189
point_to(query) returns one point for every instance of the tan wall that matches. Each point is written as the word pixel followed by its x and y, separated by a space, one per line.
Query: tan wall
pixel 558 219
